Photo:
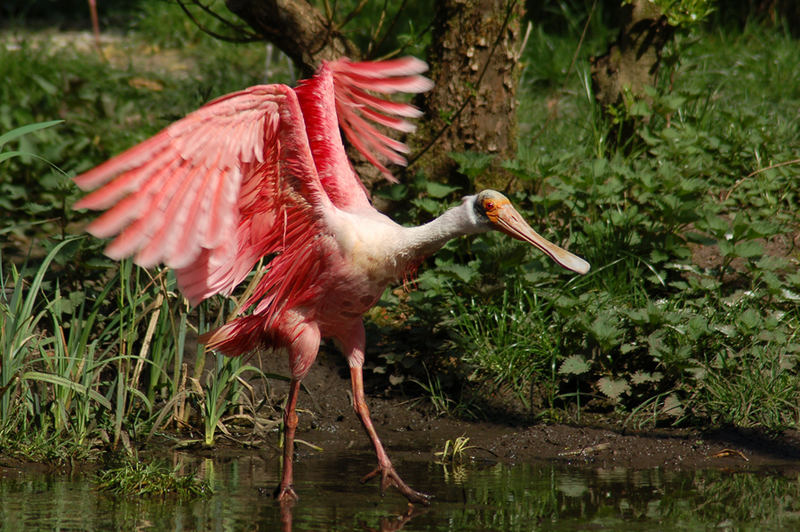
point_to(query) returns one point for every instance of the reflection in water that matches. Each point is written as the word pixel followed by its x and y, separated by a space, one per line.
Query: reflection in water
pixel 467 497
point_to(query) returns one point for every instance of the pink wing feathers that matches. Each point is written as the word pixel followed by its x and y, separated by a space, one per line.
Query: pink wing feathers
pixel 316 97
pixel 210 194
pixel 354 104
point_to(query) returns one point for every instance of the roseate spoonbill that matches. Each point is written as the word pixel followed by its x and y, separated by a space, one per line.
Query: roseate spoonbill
pixel 264 172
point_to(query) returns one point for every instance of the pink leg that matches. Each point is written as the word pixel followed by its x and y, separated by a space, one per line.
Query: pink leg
pixel 302 352
pixel 389 476
pixel 354 350
pixel 285 493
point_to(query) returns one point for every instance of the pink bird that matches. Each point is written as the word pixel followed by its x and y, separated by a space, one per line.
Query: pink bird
pixel 264 172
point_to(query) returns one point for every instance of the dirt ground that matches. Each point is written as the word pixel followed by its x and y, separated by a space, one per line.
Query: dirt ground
pixel 327 420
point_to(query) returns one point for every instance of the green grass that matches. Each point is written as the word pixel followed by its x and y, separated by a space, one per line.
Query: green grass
pixel 134 478
pixel 453 450
pixel 510 342
pixel 689 313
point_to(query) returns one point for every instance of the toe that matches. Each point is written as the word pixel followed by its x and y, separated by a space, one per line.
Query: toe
pixel 286 495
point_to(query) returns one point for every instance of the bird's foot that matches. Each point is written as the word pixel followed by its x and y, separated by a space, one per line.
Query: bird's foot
pixel 286 495
pixel 389 477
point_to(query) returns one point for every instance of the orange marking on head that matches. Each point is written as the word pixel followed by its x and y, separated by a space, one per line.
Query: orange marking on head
pixel 493 206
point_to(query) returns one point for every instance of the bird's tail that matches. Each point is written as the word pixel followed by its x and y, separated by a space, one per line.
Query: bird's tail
pixel 237 337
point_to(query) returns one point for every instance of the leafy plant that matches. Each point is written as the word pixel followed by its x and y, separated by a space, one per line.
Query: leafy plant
pixel 689 236
pixel 219 393
pixel 18 337
pixel 17 133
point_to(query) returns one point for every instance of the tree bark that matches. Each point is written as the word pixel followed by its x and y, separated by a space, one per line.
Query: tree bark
pixel 632 61
pixel 473 106
pixel 297 29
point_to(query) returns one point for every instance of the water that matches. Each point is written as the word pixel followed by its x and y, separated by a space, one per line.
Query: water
pixel 467 497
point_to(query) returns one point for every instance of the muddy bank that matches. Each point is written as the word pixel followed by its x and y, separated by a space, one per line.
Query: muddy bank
pixel 409 429
pixel 327 420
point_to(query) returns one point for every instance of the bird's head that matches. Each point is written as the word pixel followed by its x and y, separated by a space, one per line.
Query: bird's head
pixel 495 211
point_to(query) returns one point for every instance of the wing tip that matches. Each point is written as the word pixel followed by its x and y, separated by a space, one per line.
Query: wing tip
pixel 401 66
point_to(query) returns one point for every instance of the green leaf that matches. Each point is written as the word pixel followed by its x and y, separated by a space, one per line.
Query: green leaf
pixel 643 377
pixel 638 316
pixel 750 319
pixel 427 204
pixel 46 85
pixel 61 381
pixel 657 347
pixel 640 108
pixel 460 271
pixel 673 101
pixel 748 249
pixel 772 263
pixel 672 406
pixel 726 248
pixel 394 192
pixel 24 130
pixel 471 164
pixel 696 327
pixel 6 155
pixel 438 190
pixel 613 388
pixel 605 331
pixel 574 365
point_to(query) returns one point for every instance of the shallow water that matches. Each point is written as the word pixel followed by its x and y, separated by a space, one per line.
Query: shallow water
pixel 467 497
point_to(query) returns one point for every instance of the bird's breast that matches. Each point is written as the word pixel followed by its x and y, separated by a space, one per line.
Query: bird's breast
pixel 368 244
pixel 360 265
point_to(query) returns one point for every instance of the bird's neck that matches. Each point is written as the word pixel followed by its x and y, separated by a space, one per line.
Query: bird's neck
pixel 423 240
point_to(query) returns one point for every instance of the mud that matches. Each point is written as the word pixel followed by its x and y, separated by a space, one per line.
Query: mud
pixel 328 421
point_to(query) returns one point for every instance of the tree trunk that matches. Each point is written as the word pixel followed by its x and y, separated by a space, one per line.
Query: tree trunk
pixel 473 106
pixel 298 29
pixel 631 62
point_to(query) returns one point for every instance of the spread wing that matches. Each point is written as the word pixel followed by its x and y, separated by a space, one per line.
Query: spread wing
pixel 250 174
pixel 212 193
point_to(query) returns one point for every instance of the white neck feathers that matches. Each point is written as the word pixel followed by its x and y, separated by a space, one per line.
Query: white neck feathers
pixel 457 221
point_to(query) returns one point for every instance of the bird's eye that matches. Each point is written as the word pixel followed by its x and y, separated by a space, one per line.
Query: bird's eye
pixel 488 205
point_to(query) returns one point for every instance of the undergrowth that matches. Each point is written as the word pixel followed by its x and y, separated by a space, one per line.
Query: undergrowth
pixel 135 478
pixel 97 354
pixel 689 313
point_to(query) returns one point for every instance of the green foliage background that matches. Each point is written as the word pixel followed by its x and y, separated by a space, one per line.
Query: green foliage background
pixel 689 314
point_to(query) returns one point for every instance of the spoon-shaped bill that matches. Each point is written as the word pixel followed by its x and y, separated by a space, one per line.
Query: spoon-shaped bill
pixel 511 223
